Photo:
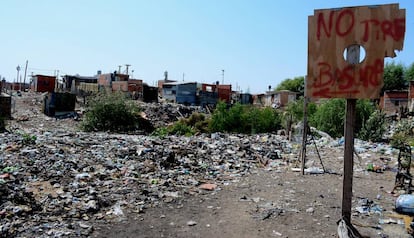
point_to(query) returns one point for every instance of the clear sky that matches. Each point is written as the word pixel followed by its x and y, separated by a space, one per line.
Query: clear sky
pixel 256 42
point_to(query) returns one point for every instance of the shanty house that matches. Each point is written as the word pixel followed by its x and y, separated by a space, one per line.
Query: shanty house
pixel 224 92
pixel 136 88
pixel 208 94
pixel 169 91
pixel 43 83
pixel 150 94
pixel 280 98
pixel 187 93
pixel 393 101
pixel 79 84
pixel 5 105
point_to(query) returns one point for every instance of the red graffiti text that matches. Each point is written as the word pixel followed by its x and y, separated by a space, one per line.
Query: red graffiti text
pixel 343 23
pixel 333 82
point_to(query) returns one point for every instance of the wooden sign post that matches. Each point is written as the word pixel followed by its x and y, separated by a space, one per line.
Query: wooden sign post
pixel 337 70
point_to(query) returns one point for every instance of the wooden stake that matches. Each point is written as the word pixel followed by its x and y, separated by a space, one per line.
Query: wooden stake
pixel 305 131
pixel 352 57
pixel 348 160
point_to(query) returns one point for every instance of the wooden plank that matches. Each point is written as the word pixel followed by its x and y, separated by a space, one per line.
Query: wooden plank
pixel 379 29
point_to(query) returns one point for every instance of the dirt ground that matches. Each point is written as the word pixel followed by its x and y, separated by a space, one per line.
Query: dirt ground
pixel 265 204
pixel 269 202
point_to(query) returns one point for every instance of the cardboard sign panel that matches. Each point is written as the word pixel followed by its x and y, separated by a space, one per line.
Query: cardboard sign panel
pixel 378 29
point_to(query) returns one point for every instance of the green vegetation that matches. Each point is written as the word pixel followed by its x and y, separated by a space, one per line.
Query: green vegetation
pixel 330 116
pixel 296 84
pixel 237 119
pixel 394 77
pixel 374 128
pixel 404 134
pixel 244 119
pixel 295 109
pixel 196 123
pixel 409 73
pixel 364 109
pixel 112 112
pixel 28 139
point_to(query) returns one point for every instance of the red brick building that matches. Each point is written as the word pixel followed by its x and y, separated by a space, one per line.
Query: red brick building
pixel 393 101
pixel 43 83
pixel 224 92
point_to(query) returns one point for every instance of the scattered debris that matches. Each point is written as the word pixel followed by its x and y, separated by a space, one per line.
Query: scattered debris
pixel 56 181
pixel 208 186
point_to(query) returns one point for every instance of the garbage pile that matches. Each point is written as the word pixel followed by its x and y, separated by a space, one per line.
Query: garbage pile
pixel 162 114
pixel 55 183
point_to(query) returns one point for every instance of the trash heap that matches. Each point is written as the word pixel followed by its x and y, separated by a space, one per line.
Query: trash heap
pixel 162 114
pixel 58 182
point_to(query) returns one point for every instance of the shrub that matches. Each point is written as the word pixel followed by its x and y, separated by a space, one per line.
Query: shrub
pixel 28 139
pixel 219 118
pixel 199 122
pixel 404 134
pixel 294 112
pixel 364 110
pixel 112 112
pixel 330 116
pixel 374 128
pixel 181 128
pixel 244 119
pixel 262 120
pixel 196 123
pixel 160 132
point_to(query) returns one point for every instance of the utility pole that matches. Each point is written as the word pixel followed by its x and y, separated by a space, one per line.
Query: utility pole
pixel 17 78
pixel 24 79
pixel 222 76
pixel 119 69
pixel 127 66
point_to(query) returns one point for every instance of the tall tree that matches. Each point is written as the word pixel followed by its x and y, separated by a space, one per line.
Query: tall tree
pixel 296 84
pixel 409 73
pixel 393 77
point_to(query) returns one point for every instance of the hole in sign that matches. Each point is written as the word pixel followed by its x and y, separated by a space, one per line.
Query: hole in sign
pixel 354 54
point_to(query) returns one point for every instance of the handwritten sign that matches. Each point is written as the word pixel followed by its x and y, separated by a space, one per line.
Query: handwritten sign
pixel 379 29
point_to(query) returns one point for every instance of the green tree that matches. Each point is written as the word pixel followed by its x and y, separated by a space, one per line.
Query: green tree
pixel 219 117
pixel 262 120
pixel 295 108
pixel 364 109
pixel 409 73
pixel 296 84
pixel 330 116
pixel 394 77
